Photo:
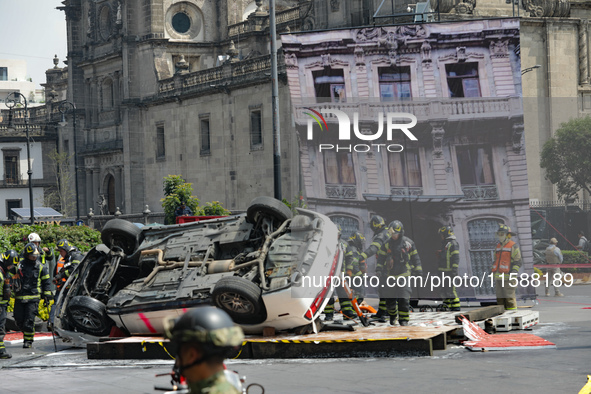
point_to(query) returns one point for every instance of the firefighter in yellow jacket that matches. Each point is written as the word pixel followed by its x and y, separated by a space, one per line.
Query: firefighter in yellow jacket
pixel 507 261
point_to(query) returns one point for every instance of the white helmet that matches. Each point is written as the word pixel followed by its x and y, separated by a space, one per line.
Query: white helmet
pixel 34 237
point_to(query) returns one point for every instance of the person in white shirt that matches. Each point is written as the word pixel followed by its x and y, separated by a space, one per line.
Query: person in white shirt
pixel 554 257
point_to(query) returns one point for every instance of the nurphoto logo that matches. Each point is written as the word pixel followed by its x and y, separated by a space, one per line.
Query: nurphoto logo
pixel 345 130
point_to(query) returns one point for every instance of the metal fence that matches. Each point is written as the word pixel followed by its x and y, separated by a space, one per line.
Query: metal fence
pixel 561 220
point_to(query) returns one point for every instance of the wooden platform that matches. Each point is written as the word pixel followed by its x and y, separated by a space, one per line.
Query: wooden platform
pixel 380 340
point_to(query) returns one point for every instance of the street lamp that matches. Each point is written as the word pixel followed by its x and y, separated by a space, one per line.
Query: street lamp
pixel 11 100
pixel 63 110
pixel 526 70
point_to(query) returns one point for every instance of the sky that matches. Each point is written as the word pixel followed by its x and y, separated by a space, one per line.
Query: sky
pixel 33 30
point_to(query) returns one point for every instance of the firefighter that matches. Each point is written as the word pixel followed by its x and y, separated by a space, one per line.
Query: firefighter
pixel 69 259
pixel 449 259
pixel 401 261
pixel 346 304
pixel 33 284
pixel 45 254
pixel 355 243
pixel 200 340
pixel 507 261
pixel 380 231
pixel 8 263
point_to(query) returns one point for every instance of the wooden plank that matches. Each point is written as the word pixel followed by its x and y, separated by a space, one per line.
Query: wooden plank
pixel 379 348
pixel 482 313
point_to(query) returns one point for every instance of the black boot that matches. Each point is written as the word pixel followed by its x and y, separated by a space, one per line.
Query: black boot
pixel 5 355
pixel 393 320
pixel 27 344
pixel 403 322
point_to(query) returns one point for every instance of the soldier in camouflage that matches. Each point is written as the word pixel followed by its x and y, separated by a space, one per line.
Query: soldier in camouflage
pixel 200 340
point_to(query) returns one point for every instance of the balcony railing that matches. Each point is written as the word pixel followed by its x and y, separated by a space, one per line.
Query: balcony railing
pixel 249 25
pixel 480 193
pixel 343 192
pixel 222 77
pixel 406 191
pixel 452 109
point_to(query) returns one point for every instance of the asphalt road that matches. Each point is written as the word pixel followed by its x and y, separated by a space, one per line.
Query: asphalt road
pixel 563 321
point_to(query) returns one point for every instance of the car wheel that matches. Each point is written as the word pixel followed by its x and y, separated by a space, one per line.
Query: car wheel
pixel 89 316
pixel 270 207
pixel 121 233
pixel 241 299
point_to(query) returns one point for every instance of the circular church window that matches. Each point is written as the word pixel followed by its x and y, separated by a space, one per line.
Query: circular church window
pixel 184 21
pixel 181 22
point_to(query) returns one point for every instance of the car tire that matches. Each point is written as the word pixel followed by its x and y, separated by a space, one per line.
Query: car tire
pixel 268 206
pixel 241 299
pixel 89 315
pixel 119 232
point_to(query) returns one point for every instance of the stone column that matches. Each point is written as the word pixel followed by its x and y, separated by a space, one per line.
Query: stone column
pixel 583 52
pixel 89 189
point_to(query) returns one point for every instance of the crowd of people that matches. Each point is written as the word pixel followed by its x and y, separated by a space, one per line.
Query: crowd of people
pixel 27 276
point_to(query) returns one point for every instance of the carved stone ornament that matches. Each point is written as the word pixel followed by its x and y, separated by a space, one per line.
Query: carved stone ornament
pixel 465 7
pixel 426 51
pixel 547 8
pixel 517 137
pixel 291 60
pixel 335 5
pixel 387 36
pixel 359 56
pixel 326 60
pixel 461 54
pixel 437 133
pixel 499 48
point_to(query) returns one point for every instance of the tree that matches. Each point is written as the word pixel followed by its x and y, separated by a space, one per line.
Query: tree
pixel 61 197
pixel 566 157
pixel 176 189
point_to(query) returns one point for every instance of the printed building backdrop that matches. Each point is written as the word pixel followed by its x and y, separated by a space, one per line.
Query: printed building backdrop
pixel 467 167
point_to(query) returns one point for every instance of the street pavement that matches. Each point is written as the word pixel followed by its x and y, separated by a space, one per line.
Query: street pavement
pixel 566 321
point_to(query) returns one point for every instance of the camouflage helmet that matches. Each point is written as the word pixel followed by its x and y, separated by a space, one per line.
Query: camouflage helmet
pixel 377 223
pixel 357 240
pixel 30 249
pixel 446 231
pixel 396 227
pixel 63 244
pixel 9 258
pixel 209 326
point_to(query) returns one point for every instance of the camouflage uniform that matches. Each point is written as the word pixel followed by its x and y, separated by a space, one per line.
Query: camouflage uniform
pixel 216 384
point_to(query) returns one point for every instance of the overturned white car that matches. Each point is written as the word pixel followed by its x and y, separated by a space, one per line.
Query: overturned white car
pixel 251 265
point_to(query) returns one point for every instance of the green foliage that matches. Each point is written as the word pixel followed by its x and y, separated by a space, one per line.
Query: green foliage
pixel 15 236
pixel 175 191
pixel 566 158
pixel 213 208
pixel 574 257
pixel 297 202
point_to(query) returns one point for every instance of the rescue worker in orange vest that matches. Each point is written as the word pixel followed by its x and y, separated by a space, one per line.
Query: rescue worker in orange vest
pixel 507 261
pixel 69 259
